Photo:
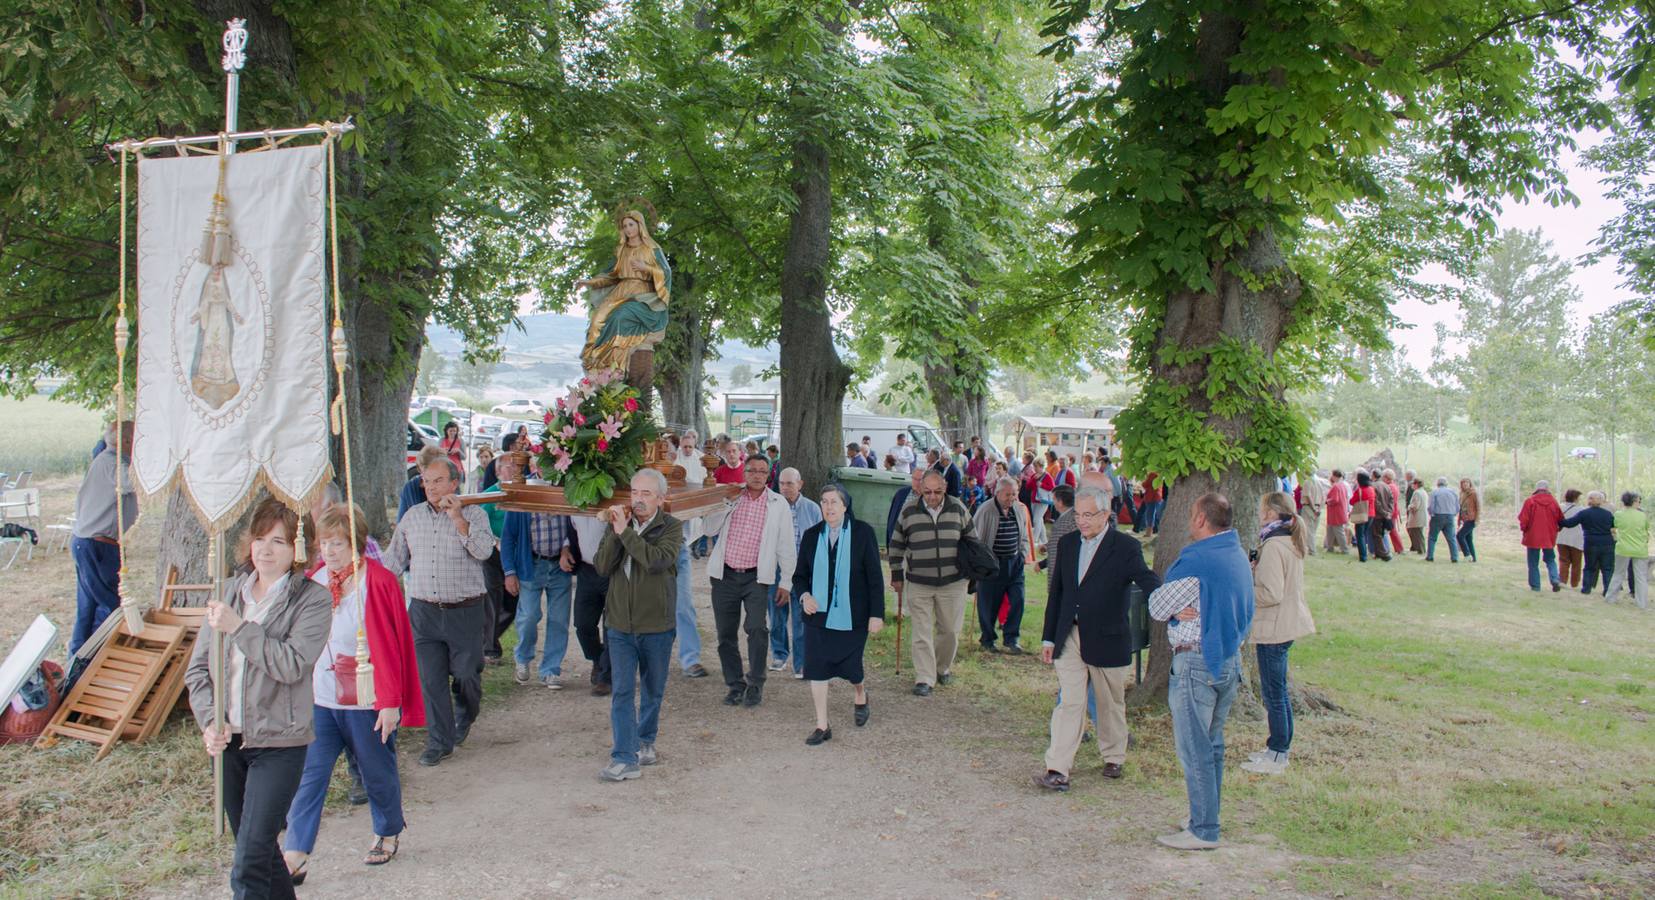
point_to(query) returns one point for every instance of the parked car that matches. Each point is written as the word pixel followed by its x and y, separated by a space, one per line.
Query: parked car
pixel 1584 453
pixel 486 430
pixel 520 407
pixel 442 403
pixel 419 437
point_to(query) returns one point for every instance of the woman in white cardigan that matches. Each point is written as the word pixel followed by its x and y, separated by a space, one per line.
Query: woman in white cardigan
pixel 1280 617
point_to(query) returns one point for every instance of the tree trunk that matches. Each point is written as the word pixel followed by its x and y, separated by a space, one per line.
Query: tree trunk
pixel 962 412
pixel 1258 317
pixel 814 379
pixel 680 370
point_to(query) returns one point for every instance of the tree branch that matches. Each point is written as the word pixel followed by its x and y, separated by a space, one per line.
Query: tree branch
pixel 1496 28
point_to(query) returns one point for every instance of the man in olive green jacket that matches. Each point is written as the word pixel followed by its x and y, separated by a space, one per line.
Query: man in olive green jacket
pixel 639 556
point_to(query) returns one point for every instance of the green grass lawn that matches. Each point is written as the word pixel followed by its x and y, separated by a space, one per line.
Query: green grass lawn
pixel 46 436
pixel 1476 713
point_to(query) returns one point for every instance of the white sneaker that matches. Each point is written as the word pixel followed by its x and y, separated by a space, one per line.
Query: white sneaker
pixel 553 682
pixel 1271 764
pixel 647 755
pixel 619 772
pixel 1257 755
pixel 799 675
pixel 522 673
pixel 1184 840
pixel 776 665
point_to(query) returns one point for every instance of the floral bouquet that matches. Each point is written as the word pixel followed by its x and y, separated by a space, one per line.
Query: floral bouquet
pixel 595 439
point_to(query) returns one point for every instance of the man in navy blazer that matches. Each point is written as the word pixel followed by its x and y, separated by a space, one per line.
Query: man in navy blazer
pixel 1087 638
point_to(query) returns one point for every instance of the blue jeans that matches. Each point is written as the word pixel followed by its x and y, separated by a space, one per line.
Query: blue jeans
pixel 689 643
pixel 1361 532
pixel 1148 515
pixel 787 629
pixel 553 584
pixel 1467 539
pixel 1007 582
pixel 1443 523
pixel 638 669
pixel 1272 679
pixel 336 730
pixel 1200 703
pixel 97 582
pixel 1535 554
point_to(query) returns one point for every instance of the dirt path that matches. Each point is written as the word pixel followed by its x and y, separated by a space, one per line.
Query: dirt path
pixel 740 807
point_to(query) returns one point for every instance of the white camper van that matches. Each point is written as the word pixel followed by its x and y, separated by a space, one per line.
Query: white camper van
pixel 884 429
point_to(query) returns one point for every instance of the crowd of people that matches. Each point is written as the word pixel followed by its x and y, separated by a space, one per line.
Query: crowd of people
pixel 797 584
pixel 1579 543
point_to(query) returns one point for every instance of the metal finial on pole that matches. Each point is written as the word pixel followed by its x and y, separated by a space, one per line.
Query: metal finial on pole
pixel 235 57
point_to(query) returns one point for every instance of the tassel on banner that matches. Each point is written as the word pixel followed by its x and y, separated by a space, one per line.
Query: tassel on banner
pixel 299 555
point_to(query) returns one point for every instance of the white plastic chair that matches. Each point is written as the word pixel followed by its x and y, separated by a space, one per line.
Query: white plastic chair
pixel 21 504
pixel 18 546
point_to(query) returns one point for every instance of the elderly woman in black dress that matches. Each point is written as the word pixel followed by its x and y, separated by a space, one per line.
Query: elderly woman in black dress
pixel 839 584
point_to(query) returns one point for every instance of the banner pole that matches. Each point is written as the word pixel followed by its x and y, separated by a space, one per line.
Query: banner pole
pixel 216 560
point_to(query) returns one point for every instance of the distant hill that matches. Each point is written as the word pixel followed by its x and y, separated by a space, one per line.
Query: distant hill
pixel 545 355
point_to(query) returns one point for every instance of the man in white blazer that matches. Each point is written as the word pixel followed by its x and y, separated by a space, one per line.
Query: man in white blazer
pixel 755 549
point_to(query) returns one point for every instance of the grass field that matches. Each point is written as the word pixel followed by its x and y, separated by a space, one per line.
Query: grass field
pixel 1495 741
pixel 47 437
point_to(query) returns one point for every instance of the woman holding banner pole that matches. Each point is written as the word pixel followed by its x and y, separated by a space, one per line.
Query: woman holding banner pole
pixel 274 622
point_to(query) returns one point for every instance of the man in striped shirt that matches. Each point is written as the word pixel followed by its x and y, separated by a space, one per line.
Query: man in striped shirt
pixel 924 552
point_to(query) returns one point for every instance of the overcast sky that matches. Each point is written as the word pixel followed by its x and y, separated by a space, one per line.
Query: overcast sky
pixel 1571 229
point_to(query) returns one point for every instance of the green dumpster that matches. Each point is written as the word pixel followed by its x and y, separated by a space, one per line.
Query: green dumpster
pixel 871 492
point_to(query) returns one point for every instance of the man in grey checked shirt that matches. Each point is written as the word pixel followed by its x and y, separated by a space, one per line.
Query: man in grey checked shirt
pixel 440 548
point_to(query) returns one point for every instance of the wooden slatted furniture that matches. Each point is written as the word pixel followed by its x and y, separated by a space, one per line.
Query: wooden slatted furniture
pixel 115 685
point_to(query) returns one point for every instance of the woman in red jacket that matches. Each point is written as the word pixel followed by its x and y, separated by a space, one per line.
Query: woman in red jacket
pixel 366 600
pixel 1363 493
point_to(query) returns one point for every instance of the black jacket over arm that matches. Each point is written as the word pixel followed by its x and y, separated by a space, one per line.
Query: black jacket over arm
pixel 1099 599
pixel 867 584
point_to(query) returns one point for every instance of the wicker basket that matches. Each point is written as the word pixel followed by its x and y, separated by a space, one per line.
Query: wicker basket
pixel 22 727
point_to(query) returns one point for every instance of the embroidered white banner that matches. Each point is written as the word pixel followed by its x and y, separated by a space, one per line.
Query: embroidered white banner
pixel 232 377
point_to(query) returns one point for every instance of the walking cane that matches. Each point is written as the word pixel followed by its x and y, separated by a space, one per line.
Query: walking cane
pixel 899 631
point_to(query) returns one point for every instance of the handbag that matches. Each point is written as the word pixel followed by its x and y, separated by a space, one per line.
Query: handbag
pixel 1359 513
pixel 344 675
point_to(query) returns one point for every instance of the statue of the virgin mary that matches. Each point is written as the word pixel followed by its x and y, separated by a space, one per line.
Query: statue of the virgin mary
pixel 629 302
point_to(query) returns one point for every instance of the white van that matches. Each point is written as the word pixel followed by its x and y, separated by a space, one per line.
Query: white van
pixel 884 429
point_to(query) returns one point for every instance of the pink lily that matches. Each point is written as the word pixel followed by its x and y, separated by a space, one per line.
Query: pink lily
pixel 611 429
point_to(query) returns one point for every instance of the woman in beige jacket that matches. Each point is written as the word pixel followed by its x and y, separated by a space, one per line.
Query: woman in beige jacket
pixel 1279 617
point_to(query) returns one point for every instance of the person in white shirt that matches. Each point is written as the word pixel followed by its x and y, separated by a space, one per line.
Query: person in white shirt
pixel 903 453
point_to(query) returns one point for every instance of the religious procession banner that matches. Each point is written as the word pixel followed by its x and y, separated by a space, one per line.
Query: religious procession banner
pixel 232 370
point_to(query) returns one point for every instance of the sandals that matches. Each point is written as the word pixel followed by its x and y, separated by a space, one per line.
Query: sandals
pixel 378 855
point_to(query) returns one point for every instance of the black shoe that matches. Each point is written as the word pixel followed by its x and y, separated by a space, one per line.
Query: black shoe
pixel 922 690
pixel 755 695
pixel 1052 781
pixel 462 730
pixel 945 678
pixel 818 736
pixel 861 710
pixel 989 648
pixel 602 689
pixel 1015 650
pixel 733 698
pixel 432 756
pixel 1557 586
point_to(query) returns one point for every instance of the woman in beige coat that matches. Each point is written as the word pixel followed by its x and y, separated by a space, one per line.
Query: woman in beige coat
pixel 1280 616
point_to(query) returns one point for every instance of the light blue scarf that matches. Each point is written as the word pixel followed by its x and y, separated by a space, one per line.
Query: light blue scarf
pixel 838 606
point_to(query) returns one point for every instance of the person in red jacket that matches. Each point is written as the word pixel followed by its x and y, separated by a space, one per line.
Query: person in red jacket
pixel 366 600
pixel 1540 518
